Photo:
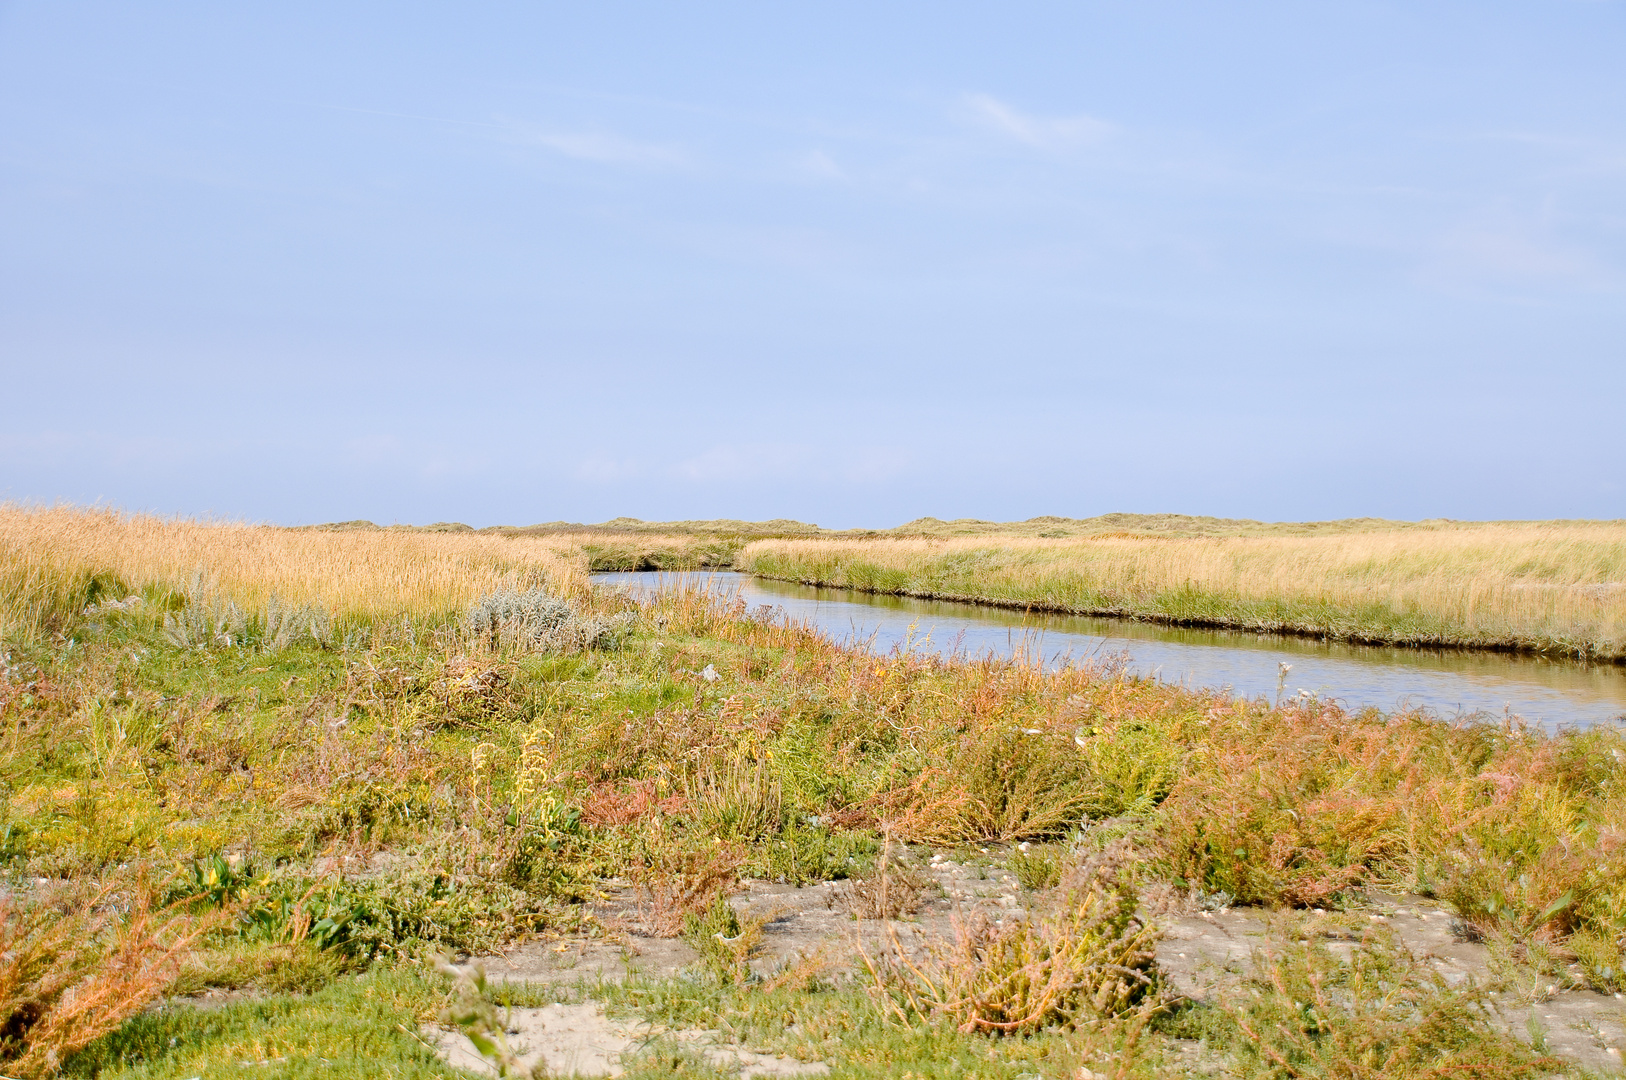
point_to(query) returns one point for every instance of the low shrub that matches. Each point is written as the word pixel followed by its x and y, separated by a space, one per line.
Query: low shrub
pixel 893 889
pixel 1083 956
pixel 1296 814
pixel 404 910
pixel 997 781
pixel 629 802
pixel 802 854
pixel 675 883
pixel 1036 866
pixel 534 620
pixel 203 616
pixel 1601 956
pixel 1131 766
pixel 72 971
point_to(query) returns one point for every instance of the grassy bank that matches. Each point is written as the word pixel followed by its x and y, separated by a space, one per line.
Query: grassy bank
pixel 309 819
pixel 1557 588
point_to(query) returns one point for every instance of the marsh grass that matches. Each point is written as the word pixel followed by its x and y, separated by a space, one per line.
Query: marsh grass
pixel 359 1028
pixel 1557 588
pixel 857 1033
pixel 673 552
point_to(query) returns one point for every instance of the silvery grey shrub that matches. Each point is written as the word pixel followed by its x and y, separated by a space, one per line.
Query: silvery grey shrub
pixel 208 619
pixel 286 625
pixel 536 620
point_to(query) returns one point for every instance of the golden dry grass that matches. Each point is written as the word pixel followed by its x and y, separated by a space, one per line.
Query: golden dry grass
pixel 1558 584
pixel 53 560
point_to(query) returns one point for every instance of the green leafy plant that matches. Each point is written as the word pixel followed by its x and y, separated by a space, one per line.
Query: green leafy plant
pixel 210 883
pixel 472 1012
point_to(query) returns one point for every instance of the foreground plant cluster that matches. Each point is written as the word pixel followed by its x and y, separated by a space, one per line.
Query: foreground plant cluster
pixel 314 817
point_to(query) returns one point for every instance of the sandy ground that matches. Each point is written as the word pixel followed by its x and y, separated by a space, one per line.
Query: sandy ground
pixel 580 1040
pixel 1200 954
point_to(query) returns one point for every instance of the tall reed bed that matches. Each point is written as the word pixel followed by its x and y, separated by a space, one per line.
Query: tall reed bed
pixel 55 561
pixel 1551 587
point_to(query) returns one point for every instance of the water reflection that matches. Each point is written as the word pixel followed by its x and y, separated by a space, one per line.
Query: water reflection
pixel 1555 693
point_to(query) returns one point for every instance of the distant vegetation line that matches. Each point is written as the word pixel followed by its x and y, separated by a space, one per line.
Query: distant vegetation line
pixel 1168 526
pixel 1552 588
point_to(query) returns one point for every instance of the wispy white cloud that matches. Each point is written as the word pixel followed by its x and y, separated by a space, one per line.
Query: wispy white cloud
pixel 1510 252
pixel 820 166
pixel 610 148
pixel 1042 132
pixel 743 462
pixel 601 469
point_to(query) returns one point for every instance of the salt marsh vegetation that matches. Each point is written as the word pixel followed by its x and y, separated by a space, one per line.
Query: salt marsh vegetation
pixel 305 827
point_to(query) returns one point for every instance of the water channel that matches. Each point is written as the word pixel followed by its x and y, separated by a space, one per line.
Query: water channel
pixel 1451 683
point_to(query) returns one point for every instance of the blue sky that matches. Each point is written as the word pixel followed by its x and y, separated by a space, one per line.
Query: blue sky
pixel 848 263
